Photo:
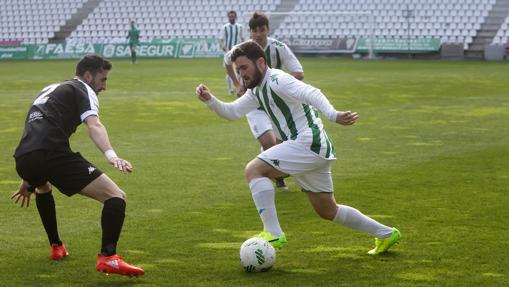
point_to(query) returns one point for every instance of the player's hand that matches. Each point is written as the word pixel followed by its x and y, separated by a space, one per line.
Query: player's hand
pixel 122 164
pixel 23 194
pixel 203 93
pixel 346 118
pixel 240 90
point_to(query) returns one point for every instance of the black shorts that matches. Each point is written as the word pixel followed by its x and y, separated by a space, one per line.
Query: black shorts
pixel 67 171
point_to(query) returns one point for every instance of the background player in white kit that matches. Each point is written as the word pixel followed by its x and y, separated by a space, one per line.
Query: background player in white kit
pixel 232 33
pixel 306 152
pixel 278 56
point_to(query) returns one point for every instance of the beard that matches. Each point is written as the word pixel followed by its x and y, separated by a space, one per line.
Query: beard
pixel 255 80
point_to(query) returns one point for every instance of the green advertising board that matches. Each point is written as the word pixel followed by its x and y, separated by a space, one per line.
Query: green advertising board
pixel 389 45
pixel 14 52
pixel 172 48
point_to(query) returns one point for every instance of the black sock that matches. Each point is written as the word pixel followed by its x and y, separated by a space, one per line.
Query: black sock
pixel 46 207
pixel 112 220
pixel 133 57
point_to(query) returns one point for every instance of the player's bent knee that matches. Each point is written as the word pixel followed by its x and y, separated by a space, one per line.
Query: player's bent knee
pixel 253 170
pixel 119 193
pixel 43 188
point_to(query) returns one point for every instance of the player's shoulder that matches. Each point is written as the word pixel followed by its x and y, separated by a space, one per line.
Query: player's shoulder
pixel 275 43
pixel 279 78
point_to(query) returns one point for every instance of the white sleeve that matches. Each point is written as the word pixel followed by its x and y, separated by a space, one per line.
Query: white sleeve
pixel 307 94
pixel 289 60
pixel 236 109
pixel 227 57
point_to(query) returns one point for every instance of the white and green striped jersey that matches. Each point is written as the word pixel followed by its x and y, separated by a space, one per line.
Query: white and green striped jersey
pixel 232 35
pixel 290 105
pixel 278 54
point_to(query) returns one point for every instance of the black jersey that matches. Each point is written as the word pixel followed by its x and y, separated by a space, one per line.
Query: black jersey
pixel 54 116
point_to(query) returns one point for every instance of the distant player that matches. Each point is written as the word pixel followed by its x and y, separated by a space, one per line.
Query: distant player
pixel 133 36
pixel 231 34
pixel 278 56
pixel 44 159
pixel 306 152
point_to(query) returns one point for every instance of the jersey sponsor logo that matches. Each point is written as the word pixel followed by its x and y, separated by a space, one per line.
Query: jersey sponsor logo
pixel 91 169
pixel 35 116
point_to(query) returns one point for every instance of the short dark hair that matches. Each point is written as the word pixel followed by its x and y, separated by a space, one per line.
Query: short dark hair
pixel 232 12
pixel 258 20
pixel 93 64
pixel 252 50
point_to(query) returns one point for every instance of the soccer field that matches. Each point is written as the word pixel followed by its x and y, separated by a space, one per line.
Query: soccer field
pixel 429 155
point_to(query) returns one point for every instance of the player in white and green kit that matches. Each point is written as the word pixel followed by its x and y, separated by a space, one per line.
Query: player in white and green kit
pixel 306 152
pixel 232 33
pixel 278 56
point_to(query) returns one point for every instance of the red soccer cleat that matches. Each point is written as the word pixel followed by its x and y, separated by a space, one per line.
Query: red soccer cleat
pixel 114 264
pixel 58 252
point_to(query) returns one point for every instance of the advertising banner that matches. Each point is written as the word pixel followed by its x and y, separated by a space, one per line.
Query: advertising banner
pixel 171 48
pixel 321 45
pixel 14 52
pixel 386 45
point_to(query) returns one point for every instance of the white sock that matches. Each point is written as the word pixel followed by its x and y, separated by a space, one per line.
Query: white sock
pixel 354 219
pixel 263 194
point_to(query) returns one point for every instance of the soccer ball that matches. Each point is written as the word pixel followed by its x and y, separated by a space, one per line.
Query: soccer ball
pixel 257 255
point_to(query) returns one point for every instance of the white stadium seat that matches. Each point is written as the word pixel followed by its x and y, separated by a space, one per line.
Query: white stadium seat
pixel 452 20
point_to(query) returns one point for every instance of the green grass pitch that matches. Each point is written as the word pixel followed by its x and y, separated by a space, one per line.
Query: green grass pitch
pixel 430 155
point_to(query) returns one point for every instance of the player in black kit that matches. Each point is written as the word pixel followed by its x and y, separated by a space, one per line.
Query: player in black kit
pixel 44 159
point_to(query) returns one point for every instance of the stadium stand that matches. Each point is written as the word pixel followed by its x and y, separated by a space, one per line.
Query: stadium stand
pixel 34 21
pixel 161 19
pixel 502 33
pixel 453 21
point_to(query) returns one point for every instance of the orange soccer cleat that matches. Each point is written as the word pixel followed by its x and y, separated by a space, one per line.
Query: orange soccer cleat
pixel 58 252
pixel 114 264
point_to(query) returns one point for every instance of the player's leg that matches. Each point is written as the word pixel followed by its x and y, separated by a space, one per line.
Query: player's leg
pixel 259 175
pixel 261 128
pixel 318 185
pixel 72 174
pixel 104 190
pixel 133 54
pixel 32 168
pixel 46 207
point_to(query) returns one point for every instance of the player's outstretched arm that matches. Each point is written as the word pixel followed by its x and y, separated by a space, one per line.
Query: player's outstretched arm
pixel 346 118
pixel 97 132
pixel 230 111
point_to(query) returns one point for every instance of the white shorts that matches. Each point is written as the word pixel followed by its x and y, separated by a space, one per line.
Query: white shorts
pixel 310 171
pixel 259 123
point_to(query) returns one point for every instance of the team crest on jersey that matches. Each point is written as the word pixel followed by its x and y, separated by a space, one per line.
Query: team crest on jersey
pixel 91 169
pixel 278 43
pixel 274 78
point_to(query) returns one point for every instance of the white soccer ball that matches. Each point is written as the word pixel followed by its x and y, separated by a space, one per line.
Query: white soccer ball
pixel 257 255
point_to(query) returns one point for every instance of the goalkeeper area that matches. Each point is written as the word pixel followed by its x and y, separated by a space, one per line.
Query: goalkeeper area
pixel 429 155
